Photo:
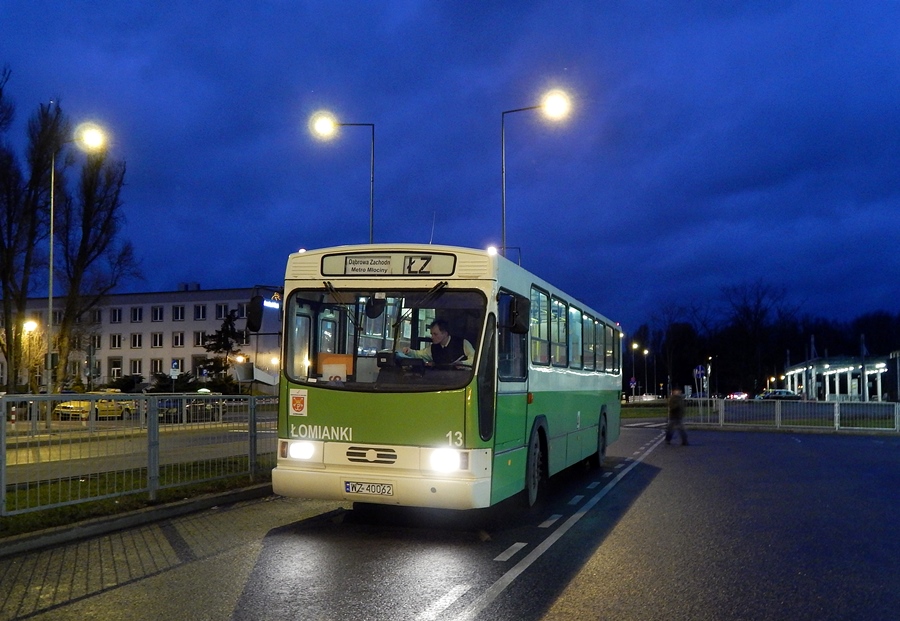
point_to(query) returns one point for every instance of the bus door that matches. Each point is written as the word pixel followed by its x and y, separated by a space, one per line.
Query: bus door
pixel 512 370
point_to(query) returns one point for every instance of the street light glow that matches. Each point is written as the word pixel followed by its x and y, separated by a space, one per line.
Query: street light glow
pixel 556 104
pixel 323 125
pixel 30 326
pixel 90 137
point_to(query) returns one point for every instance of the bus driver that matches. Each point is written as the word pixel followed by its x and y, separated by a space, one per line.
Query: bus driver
pixel 444 349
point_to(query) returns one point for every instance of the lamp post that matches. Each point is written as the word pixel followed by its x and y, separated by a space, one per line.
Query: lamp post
pixel 325 126
pixel 88 137
pixel 634 347
pixel 555 105
pixel 646 386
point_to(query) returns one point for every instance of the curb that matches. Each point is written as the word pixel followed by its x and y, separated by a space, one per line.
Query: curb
pixel 31 542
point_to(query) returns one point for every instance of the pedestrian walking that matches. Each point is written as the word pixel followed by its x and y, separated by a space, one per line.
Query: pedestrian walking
pixel 676 417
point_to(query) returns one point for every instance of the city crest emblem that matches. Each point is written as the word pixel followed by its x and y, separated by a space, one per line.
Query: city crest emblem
pixel 298 402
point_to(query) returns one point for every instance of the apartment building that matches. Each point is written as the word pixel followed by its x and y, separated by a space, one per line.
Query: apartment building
pixel 150 333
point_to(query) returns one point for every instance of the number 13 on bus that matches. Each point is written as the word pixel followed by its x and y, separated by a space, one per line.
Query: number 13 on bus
pixel 436 376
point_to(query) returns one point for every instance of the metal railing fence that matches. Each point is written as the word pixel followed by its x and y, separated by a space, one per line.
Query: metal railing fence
pixel 60 450
pixel 800 415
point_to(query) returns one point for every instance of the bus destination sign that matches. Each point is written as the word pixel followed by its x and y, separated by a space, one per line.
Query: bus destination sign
pixel 388 264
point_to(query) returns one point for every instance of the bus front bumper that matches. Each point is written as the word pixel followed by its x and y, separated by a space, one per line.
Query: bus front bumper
pixel 417 488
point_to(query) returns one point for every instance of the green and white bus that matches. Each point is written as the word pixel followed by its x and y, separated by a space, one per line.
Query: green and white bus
pixel 361 420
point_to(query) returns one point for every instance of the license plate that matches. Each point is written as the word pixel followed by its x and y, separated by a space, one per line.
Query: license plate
pixel 374 489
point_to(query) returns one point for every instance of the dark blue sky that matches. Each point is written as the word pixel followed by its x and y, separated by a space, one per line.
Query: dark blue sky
pixel 711 144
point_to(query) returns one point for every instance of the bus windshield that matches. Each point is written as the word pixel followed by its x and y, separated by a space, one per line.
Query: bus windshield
pixel 381 340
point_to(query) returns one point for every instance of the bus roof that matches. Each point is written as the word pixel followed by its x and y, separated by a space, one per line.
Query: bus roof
pixel 417 261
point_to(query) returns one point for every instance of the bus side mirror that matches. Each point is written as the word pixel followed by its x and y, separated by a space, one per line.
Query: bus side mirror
pixel 519 315
pixel 255 313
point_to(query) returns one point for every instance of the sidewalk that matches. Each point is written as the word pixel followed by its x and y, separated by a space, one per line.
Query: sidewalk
pixel 99 526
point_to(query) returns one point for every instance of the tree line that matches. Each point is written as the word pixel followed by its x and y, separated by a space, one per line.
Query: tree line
pixel 746 334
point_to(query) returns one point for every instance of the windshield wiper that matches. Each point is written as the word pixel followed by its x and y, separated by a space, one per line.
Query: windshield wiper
pixel 341 304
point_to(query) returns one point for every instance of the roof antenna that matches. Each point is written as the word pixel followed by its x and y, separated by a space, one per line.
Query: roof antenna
pixel 433 218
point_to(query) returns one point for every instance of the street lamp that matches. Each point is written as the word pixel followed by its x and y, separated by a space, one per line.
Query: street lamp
pixel 89 137
pixel 555 105
pixel 634 347
pixel 646 387
pixel 324 126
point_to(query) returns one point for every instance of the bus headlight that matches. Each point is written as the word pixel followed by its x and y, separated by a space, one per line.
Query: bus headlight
pixel 301 450
pixel 448 460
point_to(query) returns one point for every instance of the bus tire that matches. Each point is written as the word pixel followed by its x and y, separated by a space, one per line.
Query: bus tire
pixel 599 458
pixel 534 467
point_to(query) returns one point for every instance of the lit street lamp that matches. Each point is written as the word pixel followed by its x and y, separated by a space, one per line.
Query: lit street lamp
pixel 91 138
pixel 325 126
pixel 646 386
pixel 555 105
pixel 634 347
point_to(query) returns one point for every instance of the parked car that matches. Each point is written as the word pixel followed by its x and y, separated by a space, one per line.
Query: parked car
pixel 102 407
pixel 738 395
pixel 781 394
pixel 177 409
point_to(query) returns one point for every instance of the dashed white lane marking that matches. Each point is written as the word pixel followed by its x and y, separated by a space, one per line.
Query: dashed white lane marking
pixel 575 500
pixel 494 591
pixel 434 611
pixel 550 521
pixel 510 552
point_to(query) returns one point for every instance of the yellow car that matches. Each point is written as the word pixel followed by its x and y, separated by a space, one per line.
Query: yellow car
pixel 102 408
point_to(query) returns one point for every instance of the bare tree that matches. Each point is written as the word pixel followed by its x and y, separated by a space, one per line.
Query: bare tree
pixel 94 259
pixel 24 210
pixel 754 309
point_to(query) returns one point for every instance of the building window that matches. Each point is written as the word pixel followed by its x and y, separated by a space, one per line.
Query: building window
pixel 137 340
pixel 178 339
pixel 242 310
pixel 245 337
pixel 136 366
pixel 115 368
pixel 96 341
pixel 137 314
pixel 199 312
pixel 221 311
pixel 97 315
pixel 200 338
pixel 156 366
pixel 57 317
pixel 115 315
pixel 115 341
pixel 156 339
pixel 156 313
pixel 178 313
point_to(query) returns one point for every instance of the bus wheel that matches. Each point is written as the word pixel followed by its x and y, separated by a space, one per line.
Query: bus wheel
pixel 534 469
pixel 599 458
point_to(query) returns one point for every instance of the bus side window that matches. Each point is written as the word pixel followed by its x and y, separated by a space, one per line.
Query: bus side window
pixel 540 327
